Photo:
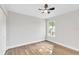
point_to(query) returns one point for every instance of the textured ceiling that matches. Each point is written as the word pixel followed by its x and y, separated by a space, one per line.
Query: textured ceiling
pixel 32 9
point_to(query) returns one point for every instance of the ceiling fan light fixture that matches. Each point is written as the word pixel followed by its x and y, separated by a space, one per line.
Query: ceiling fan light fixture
pixel 46 9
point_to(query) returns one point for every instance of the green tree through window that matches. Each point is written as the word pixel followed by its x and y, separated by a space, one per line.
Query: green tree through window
pixel 51 29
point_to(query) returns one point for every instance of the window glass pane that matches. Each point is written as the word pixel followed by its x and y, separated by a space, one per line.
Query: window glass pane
pixel 51 29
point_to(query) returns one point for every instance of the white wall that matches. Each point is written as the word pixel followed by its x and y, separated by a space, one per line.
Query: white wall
pixel 23 29
pixel 3 7
pixel 67 30
pixel 2 31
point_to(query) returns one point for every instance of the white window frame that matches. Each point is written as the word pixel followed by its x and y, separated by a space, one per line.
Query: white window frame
pixel 47 29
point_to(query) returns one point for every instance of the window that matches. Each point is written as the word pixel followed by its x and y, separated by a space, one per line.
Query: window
pixel 51 28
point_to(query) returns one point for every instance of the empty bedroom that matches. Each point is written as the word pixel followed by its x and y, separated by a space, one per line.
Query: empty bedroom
pixel 39 29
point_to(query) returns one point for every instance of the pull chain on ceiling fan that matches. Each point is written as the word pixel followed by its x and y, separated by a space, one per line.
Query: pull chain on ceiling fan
pixel 46 9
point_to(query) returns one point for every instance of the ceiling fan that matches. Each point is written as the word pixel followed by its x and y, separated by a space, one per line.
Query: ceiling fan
pixel 46 9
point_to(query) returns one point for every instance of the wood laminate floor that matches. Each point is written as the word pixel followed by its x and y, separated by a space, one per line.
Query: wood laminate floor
pixel 41 48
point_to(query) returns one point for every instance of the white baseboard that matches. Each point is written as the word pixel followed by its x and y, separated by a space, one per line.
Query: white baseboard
pixel 8 47
pixel 65 45
pixel 39 41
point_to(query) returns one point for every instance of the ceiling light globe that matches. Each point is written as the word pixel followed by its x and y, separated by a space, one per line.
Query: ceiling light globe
pixel 45 11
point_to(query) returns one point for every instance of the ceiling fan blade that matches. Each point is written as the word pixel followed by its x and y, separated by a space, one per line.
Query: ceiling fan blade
pixel 51 8
pixel 39 9
pixel 46 6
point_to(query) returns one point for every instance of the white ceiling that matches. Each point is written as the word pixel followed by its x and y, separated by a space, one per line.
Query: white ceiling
pixel 32 9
